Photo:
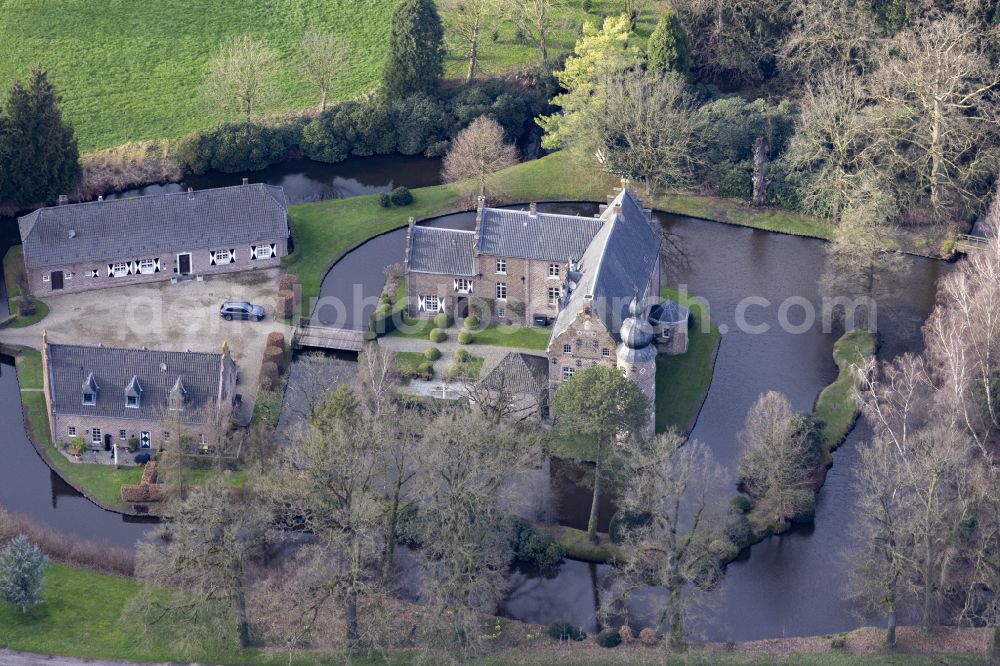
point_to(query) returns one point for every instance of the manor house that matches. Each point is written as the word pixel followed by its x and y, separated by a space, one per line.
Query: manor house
pixel 594 280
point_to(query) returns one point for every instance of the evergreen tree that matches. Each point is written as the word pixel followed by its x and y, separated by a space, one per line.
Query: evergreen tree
pixel 416 52
pixel 22 568
pixel 40 152
pixel 668 45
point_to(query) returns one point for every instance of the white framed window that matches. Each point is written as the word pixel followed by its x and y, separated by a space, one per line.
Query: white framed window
pixel 463 285
pixel 554 294
pixel 261 252
pixel 606 353
pixel 132 401
pixel 45 277
pixel 501 267
pixel 429 304
pixel 223 256
pixel 567 349
pixel 119 269
pixel 95 435
pixel 93 272
pixel 71 431
pixel 89 398
pixel 166 436
pixel 147 266
pixel 568 371
pixel 501 291
pixel 553 270
pixel 122 435
pixel 501 311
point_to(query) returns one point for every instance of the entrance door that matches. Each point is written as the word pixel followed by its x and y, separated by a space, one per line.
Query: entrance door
pixel 107 442
pixel 462 308
pixel 144 440
pixel 184 264
pixel 57 280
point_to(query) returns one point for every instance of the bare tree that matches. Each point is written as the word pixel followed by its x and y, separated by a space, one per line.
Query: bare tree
pixel 200 562
pixel 377 379
pixel 466 20
pixel 940 112
pixel 534 19
pixel 674 486
pixel 242 75
pixel 644 129
pixel 780 452
pixel 466 493
pixel 323 56
pixel 478 152
pixel 828 34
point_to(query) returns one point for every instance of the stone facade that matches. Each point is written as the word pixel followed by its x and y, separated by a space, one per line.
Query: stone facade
pixel 79 277
pixel 589 343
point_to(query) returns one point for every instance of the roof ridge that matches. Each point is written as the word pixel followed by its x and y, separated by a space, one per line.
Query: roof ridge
pixel 457 231
pixel 132 349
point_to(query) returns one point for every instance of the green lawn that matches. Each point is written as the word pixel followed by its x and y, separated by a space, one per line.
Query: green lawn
pixel 466 369
pixel 407 362
pixel 13 271
pixel 682 381
pixel 521 337
pixel 836 405
pixel 418 329
pixel 132 71
pixel 101 482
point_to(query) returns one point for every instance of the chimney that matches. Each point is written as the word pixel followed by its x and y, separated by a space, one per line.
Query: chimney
pixel 532 210
pixel 100 197
pixel 190 193
pixel 246 181
pixel 588 303
pixel 63 199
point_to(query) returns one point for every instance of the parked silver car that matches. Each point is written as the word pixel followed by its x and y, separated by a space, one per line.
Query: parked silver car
pixel 231 310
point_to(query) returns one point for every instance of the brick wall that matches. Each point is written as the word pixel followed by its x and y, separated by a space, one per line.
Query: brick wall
pixel 588 338
pixel 76 274
pixel 133 427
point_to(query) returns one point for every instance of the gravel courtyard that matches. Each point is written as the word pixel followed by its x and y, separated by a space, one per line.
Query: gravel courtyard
pixel 171 317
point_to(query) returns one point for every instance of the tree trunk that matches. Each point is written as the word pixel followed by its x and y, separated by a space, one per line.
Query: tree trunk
pixel 676 620
pixel 928 562
pixel 592 523
pixel 391 536
pixel 351 617
pixel 936 150
pixel 890 629
pixel 473 51
pixel 542 43
pixel 322 105
pixel 240 608
pixel 760 149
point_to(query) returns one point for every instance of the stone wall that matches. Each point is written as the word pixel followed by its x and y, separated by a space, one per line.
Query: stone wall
pixel 588 339
pixel 76 280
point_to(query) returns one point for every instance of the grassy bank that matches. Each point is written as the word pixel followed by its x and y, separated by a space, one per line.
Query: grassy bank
pixel 100 483
pixel 325 231
pixel 836 405
pixel 13 273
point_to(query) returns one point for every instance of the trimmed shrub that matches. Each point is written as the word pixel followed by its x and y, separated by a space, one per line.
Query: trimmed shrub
pixel 401 196
pixel 437 335
pixel 561 630
pixel 442 320
pixel 235 147
pixel 609 638
pixel 471 321
pixel 425 370
pixel 285 305
pixel 648 637
pixel 384 200
pixel 466 337
pixel 462 355
pixel 275 355
pixel 269 376
pixel 625 521
pixel 626 633
pixel 740 504
pixel 432 354
pixel 276 339
pixel 534 549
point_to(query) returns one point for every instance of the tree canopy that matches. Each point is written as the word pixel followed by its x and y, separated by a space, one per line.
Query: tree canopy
pixel 415 63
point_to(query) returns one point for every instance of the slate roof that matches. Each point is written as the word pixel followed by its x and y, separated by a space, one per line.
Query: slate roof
pixel 113 370
pixel 516 233
pixel 143 227
pixel 519 373
pixel 615 267
pixel 441 251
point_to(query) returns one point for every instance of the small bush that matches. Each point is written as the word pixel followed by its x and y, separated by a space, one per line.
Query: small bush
pixel 426 370
pixel 735 180
pixel 432 354
pixel 77 446
pixel 471 321
pixel 837 643
pixel 466 337
pixel 648 637
pixel 804 506
pixel 948 248
pixel 535 549
pixel 142 459
pixel 561 630
pixel 740 504
pixel 133 444
pixel 625 521
pixel 401 196
pixel 437 335
pixel 22 570
pixel 462 355
pixel 438 149
pixel 626 633
pixel 738 530
pixel 609 638
pixel 442 320
pixel 384 200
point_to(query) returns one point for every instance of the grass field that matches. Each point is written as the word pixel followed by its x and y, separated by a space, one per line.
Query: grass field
pixel 131 71
pixel 836 405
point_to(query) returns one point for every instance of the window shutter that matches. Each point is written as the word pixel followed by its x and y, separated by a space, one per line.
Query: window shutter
pixel 211 257
pixel 274 250
pixel 232 256
pixel 420 303
pixel 133 267
pixel 111 270
pixel 440 305
pixel 456 285
pixel 253 251
pixel 157 268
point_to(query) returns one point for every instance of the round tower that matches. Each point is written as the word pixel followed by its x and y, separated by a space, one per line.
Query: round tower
pixel 637 356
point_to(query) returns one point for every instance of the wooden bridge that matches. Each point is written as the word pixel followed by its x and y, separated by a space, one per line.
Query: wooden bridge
pixel 317 336
pixel 967 244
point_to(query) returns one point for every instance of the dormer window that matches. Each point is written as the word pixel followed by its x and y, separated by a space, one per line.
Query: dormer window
pixel 90 389
pixel 176 396
pixel 133 393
